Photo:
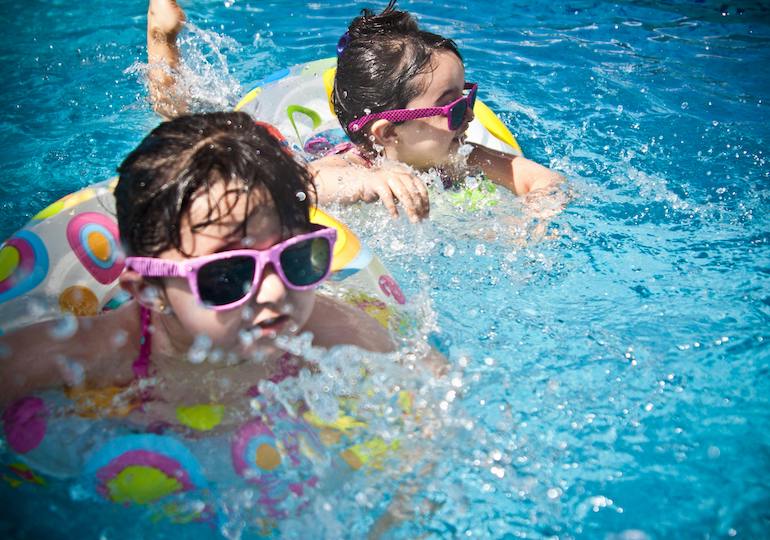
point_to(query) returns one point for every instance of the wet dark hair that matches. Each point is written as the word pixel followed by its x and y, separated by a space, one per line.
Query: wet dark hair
pixel 186 156
pixel 378 64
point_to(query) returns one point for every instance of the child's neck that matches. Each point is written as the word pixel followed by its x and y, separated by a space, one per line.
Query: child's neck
pixel 215 378
pixel 179 381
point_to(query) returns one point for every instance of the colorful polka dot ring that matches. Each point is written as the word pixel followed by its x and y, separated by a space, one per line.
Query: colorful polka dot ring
pixel 278 460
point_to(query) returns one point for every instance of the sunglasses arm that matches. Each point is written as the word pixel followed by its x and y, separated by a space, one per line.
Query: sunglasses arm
pixel 151 267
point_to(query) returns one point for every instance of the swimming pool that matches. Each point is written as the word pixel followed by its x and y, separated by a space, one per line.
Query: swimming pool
pixel 612 369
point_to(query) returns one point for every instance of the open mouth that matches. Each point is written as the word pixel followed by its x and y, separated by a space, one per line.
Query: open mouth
pixel 274 324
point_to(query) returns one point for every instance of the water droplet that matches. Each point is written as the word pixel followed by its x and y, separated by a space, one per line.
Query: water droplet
pixel 245 338
pixel 64 328
pixel 199 349
pixel 465 150
pixel 74 374
pixel 119 338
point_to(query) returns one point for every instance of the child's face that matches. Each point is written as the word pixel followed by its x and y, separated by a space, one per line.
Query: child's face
pixel 428 142
pixel 273 308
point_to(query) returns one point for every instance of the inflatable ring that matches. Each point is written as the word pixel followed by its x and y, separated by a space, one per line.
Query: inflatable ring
pixel 297 101
pixel 262 456
pixel 143 468
pixel 67 259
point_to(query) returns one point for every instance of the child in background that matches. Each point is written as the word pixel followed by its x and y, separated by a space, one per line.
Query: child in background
pixel 388 70
pixel 400 93
pixel 220 249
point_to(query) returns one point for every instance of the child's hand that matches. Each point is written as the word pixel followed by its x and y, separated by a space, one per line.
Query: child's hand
pixel 349 179
pixel 396 185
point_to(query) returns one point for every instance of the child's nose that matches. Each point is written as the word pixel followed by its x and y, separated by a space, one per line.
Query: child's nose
pixel 272 289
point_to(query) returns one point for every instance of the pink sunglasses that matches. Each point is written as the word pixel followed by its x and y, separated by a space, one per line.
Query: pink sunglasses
pixel 228 279
pixel 454 112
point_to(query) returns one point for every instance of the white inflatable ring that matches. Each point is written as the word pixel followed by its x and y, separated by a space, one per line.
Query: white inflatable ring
pixel 297 101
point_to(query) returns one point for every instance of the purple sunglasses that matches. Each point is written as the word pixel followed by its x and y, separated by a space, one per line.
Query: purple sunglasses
pixel 454 112
pixel 228 279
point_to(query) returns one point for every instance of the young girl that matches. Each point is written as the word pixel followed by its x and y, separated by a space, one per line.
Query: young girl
pixel 221 260
pixel 400 93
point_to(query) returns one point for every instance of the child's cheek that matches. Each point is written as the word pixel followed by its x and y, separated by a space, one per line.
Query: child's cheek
pixel 302 307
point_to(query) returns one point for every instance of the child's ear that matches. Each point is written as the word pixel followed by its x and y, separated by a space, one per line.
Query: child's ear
pixel 384 132
pixel 146 294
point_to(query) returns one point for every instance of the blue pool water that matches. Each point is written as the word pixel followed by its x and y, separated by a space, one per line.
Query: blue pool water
pixel 611 362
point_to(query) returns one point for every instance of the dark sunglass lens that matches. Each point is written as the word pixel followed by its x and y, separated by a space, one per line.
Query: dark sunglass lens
pixel 305 263
pixel 472 97
pixel 457 114
pixel 225 281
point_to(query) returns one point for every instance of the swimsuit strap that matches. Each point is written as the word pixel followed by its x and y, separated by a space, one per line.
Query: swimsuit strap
pixel 287 366
pixel 348 147
pixel 141 365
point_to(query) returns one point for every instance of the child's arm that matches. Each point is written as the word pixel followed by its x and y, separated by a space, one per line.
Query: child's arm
pixel 335 323
pixel 342 179
pixel 164 21
pixel 50 355
pixel 518 174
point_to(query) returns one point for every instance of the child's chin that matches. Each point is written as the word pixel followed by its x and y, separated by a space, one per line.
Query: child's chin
pixel 262 350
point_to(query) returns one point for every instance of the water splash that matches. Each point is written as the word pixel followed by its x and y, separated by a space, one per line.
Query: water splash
pixel 202 79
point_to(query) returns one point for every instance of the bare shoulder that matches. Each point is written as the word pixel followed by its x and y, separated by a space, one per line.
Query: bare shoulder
pixel 336 323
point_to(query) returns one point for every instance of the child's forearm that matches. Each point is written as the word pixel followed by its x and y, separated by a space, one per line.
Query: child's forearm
pixel 518 174
pixel 31 360
pixel 335 183
pixel 530 176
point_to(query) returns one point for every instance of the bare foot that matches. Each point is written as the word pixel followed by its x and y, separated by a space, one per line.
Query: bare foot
pixel 164 19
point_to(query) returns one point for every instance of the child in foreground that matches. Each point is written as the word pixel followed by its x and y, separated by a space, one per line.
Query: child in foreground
pixel 401 96
pixel 220 251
